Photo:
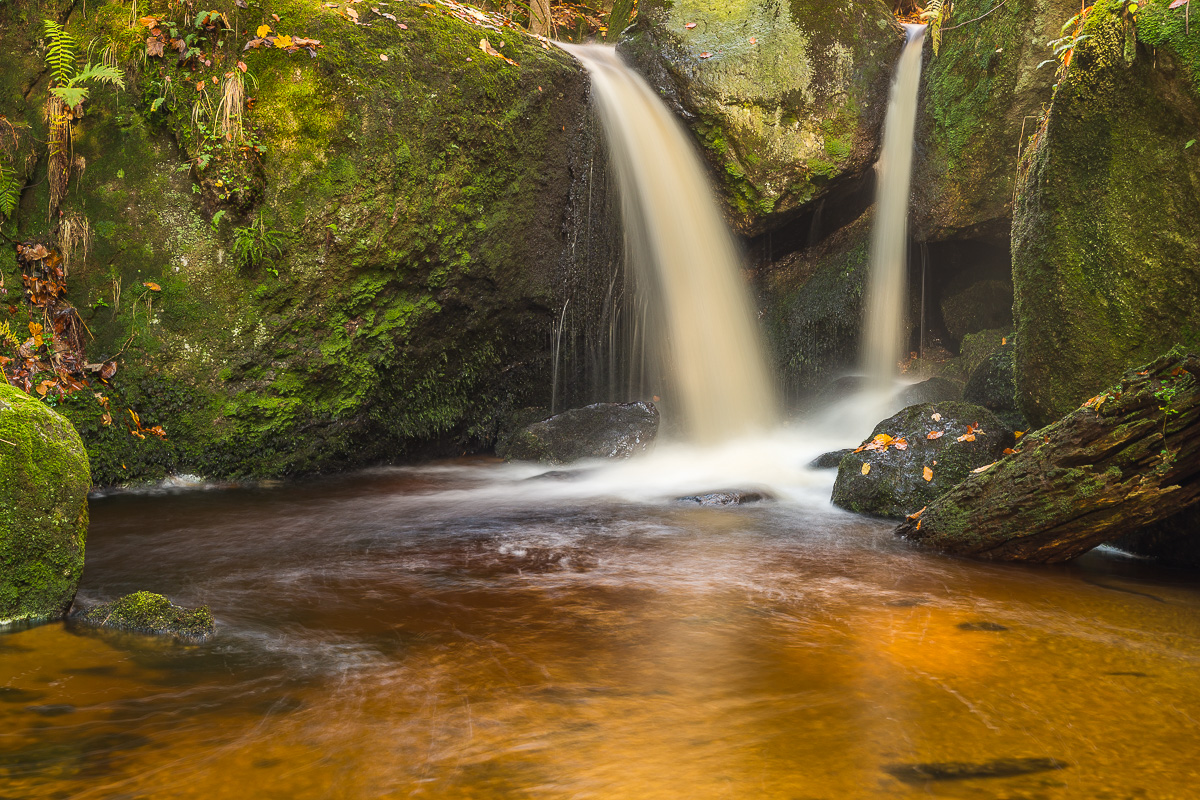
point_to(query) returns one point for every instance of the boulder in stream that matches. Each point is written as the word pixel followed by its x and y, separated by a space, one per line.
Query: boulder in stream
pixel 147 612
pixel 44 481
pixel 601 430
pixel 916 455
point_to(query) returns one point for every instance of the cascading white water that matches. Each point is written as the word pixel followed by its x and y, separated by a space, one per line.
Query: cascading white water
pixel 681 249
pixel 883 334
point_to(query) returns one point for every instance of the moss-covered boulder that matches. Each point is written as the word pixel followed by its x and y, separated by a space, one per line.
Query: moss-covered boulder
pixel 900 469
pixel 44 482
pixel 371 272
pixel 979 91
pixel 786 98
pixel 1106 236
pixel 993 386
pixel 147 612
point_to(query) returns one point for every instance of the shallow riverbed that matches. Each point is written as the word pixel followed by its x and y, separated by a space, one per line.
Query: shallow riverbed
pixel 461 631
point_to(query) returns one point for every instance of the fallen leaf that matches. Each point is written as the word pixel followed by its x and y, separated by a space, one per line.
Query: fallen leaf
pixel 918 521
pixel 152 286
pixel 1018 434
pixel 984 468
pixel 350 12
pixel 1008 451
pixel 241 65
pixel 967 437
pixel 402 26
pixel 149 22
pixel 108 370
pixel 900 444
pixel 383 57
pixel 866 468
pixel 916 514
pixel 1003 340
pixel 262 31
pixel 936 417
pixel 241 3
pixel 283 42
pixel 486 47
pixel 275 17
pixel 706 55
pixel 154 47
pixel 927 474
pixel 1178 3
pixel 200 86
pixel 935 434
pixel 690 25
pixel 753 40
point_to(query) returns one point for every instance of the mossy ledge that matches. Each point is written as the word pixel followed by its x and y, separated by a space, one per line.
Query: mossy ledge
pixel 150 613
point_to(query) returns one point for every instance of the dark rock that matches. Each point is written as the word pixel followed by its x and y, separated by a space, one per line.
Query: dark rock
pixel 963 770
pixel 830 460
pixel 977 307
pixel 602 430
pixel 726 498
pixel 933 390
pixel 895 484
pixel 981 626
pixel 53 710
pixel 992 385
pixel 44 481
pixel 146 612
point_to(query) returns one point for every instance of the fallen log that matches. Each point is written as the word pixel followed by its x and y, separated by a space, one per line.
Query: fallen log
pixel 1128 457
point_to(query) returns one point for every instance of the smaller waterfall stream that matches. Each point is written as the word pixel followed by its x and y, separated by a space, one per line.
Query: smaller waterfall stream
pixel 883 324
pixel 683 253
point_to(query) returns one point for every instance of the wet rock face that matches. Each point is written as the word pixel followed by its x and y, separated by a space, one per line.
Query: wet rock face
pixel 786 98
pixel 904 469
pixel 993 386
pixel 601 430
pixel 147 612
pixel 44 481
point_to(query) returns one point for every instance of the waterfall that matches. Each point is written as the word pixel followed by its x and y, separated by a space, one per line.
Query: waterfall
pixel 682 252
pixel 887 292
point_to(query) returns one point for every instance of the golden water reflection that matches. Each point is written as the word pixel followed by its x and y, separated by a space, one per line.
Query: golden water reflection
pixel 373 650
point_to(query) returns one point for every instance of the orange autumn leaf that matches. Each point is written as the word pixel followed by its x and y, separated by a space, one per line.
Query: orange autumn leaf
pixel 935 434
pixel 916 514
pixel 263 30
pixel 984 468
pixel 927 474
pixel 967 437
pixel 1008 451
pixel 152 286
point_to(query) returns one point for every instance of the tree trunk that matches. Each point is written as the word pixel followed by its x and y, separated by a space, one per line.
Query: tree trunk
pixel 539 19
pixel 1126 458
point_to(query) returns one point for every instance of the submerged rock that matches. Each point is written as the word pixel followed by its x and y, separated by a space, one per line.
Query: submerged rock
pixel 44 482
pixel 147 612
pixel 601 430
pixel 734 497
pixel 900 469
pixel 963 770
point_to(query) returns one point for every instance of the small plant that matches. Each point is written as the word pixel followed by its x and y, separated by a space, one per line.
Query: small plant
pixel 254 244
pixel 934 15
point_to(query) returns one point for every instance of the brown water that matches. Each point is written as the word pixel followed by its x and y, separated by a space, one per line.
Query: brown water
pixel 449 632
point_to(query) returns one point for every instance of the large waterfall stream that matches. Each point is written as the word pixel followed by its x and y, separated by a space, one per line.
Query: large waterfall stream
pixel 683 254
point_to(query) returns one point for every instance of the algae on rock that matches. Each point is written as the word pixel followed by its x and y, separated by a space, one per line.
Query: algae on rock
pixel 44 482
pixel 1106 236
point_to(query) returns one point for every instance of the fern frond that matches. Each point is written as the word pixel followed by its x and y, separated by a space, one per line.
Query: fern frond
pixel 60 52
pixel 934 15
pixel 101 73
pixel 71 95
pixel 10 191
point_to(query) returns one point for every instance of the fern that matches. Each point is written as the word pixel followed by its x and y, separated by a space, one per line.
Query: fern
pixel 73 93
pixel 934 15
pixel 60 52
pixel 10 191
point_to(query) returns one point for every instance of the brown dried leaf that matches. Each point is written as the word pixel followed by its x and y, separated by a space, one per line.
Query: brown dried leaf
pixel 935 434
pixel 927 474
pixel 154 46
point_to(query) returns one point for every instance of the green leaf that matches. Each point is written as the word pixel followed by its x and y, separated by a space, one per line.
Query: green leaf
pixel 1189 144
pixel 71 95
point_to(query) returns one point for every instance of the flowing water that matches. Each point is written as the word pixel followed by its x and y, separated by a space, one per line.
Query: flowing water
pixel 887 294
pixel 684 256
pixel 462 631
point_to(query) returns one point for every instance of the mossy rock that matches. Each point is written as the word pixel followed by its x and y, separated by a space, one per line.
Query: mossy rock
pixel 993 386
pixel 420 205
pixel 891 482
pixel 977 307
pixel 44 482
pixel 150 613
pixel 978 92
pixel 1106 236
pixel 598 431
pixel 785 98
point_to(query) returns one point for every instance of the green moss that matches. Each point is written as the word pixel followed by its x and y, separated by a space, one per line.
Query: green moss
pixel 147 612
pixel 44 481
